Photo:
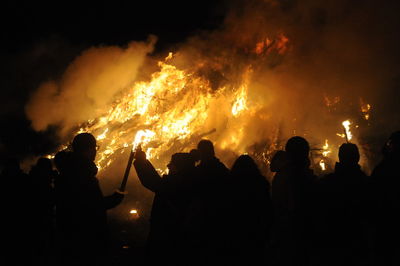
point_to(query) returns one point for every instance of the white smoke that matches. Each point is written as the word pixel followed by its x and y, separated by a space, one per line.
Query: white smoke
pixel 88 85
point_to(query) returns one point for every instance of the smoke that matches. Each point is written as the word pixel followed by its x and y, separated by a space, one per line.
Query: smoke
pixel 87 86
pixel 343 49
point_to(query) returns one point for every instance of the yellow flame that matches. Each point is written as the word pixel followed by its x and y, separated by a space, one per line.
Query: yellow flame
pixel 166 113
pixel 171 106
pixel 326 149
pixel 322 165
pixel 143 137
pixel 133 211
pixel 346 124
pixel 102 135
pixel 240 102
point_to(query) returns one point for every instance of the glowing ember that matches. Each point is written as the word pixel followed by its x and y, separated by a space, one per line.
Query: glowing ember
pixel 266 46
pixel 365 109
pixel 133 214
pixel 330 102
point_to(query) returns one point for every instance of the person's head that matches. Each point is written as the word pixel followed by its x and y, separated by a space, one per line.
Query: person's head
pixel 195 154
pixel 180 162
pixel 61 160
pixel 245 166
pixel 393 144
pixel 85 145
pixel 278 161
pixel 348 154
pixel 44 168
pixel 11 166
pixel 44 164
pixel 297 148
pixel 206 149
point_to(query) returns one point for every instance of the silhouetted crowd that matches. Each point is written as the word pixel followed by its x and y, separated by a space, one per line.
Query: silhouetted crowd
pixel 206 214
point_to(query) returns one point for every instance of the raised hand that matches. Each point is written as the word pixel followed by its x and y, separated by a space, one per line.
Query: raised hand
pixel 140 154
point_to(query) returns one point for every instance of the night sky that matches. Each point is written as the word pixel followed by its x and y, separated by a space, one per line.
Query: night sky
pixel 39 39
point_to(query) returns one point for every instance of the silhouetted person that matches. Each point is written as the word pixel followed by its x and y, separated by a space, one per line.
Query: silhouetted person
pixel 251 212
pixel 206 229
pixel 278 161
pixel 81 206
pixel 386 182
pixel 195 155
pixel 43 199
pixel 341 212
pixel 171 201
pixel 17 230
pixel 291 197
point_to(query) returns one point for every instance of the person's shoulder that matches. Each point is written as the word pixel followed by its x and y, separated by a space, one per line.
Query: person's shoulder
pixel 326 179
pixel 217 163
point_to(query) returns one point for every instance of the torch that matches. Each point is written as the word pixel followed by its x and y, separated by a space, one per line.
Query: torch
pixel 127 170
pixel 141 136
pixel 345 135
pixel 346 127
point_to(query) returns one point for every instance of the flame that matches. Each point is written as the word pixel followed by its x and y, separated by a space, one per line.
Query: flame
pixel 174 107
pixel 331 102
pixel 346 124
pixel 322 165
pixel 266 45
pixel 240 103
pixel 326 149
pixel 365 109
pixel 134 214
pixel 102 135
pixel 325 152
pixel 142 137
pixel 164 113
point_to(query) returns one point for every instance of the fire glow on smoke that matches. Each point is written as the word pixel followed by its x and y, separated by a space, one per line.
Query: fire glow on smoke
pixel 170 112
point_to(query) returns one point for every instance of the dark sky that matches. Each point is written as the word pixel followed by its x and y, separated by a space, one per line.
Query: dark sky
pixel 40 38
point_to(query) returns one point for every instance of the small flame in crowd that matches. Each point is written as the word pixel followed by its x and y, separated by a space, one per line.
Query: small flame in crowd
pixel 365 109
pixel 346 124
pixel 347 135
pixel 134 214
pixel 325 152
pixel 322 165
pixel 325 148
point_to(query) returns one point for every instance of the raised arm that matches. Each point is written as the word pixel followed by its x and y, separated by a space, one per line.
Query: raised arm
pixel 146 172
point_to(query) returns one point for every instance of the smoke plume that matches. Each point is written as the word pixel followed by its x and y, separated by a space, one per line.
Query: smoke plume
pixel 89 83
